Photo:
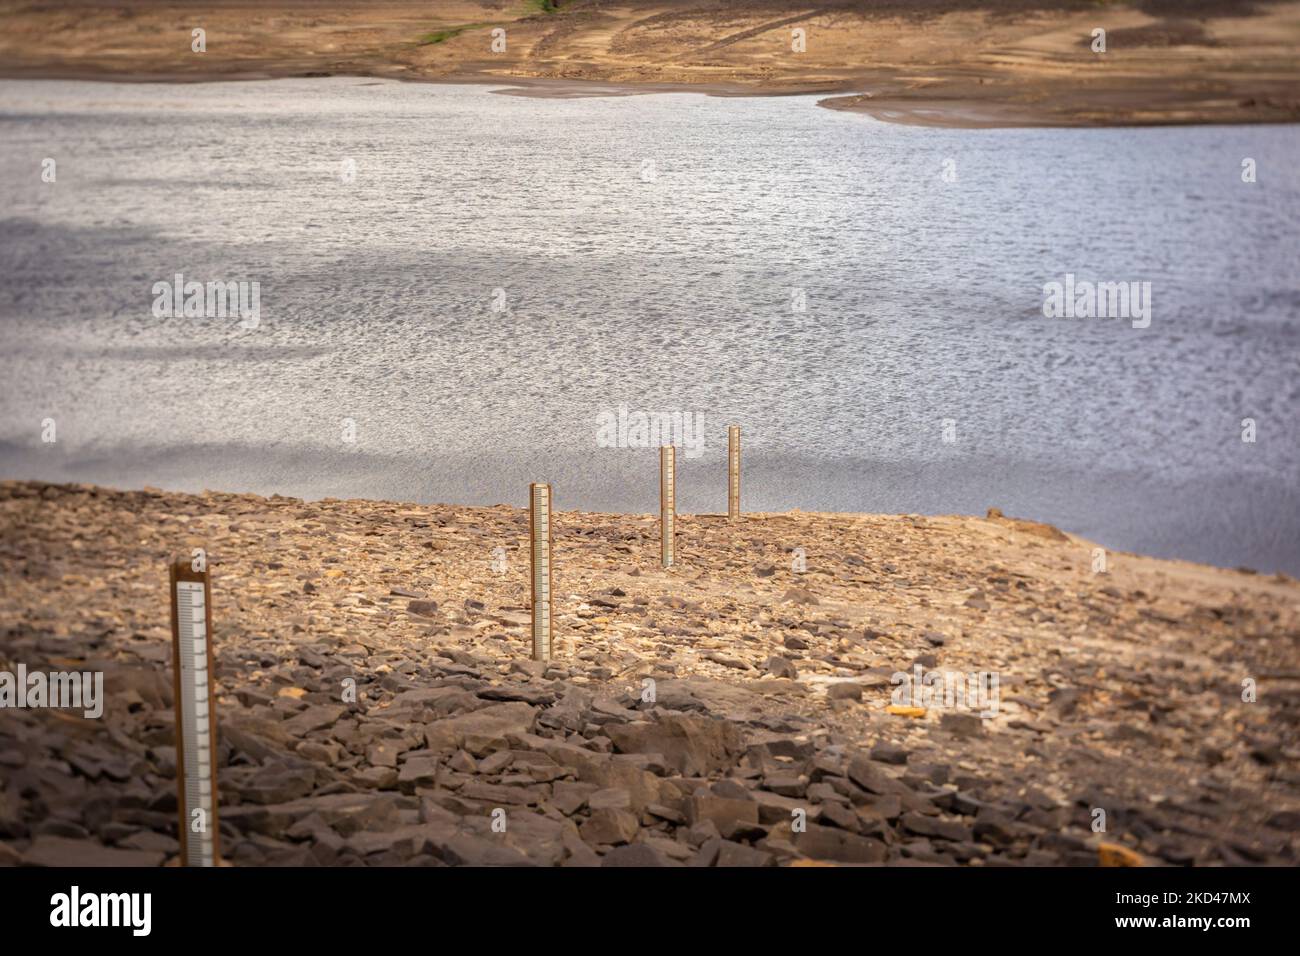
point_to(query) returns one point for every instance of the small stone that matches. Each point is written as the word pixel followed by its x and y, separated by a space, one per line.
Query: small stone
pixel 666 813
pixel 609 826
pixel 385 753
pixel 418 772
pixel 773 808
pixel 722 812
pixel 702 832
pixel 871 778
pixel 780 667
pixel 840 815
pixel 495 763
pixel 889 753
pixel 313 718
pixel 614 798
pixel 707 854
pixel 379 778
pixel 734 663
pixel 152 842
pixel 786 783
pixel 935 827
pixel 1284 820
pixel 799 596
pixel 481 731
pixel 576 852
pixel 693 746
pixel 738 854
pixel 461 762
pixel 829 843
pixel 731 789
pixel 569 797
pixel 962 725
pixel 62 852
pixel 635 854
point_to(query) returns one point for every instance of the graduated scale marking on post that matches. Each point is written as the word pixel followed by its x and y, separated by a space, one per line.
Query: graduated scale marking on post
pixel 541 537
pixel 733 472
pixel 668 504
pixel 196 738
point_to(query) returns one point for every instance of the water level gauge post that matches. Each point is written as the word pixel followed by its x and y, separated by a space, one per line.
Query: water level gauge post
pixel 733 472
pixel 196 737
pixel 668 504
pixel 541 537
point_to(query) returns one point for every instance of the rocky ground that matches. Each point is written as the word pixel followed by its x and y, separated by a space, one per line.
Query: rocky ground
pixel 939 62
pixel 769 740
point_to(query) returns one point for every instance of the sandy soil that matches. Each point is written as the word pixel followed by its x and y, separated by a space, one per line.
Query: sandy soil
pixel 772 687
pixel 950 62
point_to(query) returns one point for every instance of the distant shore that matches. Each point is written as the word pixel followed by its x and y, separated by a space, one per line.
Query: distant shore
pixel 989 64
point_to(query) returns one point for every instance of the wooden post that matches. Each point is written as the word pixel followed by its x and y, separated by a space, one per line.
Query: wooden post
pixel 668 504
pixel 196 718
pixel 733 472
pixel 541 537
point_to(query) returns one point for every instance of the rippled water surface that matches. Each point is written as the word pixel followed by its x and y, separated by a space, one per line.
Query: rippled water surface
pixel 664 288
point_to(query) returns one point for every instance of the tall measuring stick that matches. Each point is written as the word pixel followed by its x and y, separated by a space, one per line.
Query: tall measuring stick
pixel 196 738
pixel 541 537
pixel 668 503
pixel 733 472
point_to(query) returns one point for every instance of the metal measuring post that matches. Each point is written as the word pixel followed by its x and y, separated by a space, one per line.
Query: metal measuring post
pixel 668 503
pixel 196 738
pixel 733 472
pixel 541 537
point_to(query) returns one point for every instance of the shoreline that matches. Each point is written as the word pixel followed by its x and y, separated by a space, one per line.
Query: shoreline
pixel 773 689
pixel 903 108
pixel 1005 64
pixel 1257 565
